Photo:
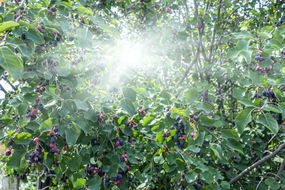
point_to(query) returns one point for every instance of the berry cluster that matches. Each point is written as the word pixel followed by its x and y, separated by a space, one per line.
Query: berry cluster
pixel 119 142
pixel 168 111
pixel 38 105
pixel 259 57
pixel 269 94
pixel 100 117
pixel 266 93
pixel 107 182
pixel 130 139
pixel 95 141
pixel 166 134
pixel 54 134
pixel 142 110
pixel 40 88
pixel 93 169
pixel 193 119
pixel 32 114
pixel 198 184
pixel 118 178
pixel 124 157
pixel 131 123
pixel 8 151
pixel 264 70
pixel 52 11
pixel 179 136
pixel 35 156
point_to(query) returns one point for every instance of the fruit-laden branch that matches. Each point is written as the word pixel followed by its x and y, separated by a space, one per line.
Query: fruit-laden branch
pixel 258 163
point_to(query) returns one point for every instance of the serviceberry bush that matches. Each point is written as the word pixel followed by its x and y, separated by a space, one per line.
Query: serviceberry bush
pixel 200 107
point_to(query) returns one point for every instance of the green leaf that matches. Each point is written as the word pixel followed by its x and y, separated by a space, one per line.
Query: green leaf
pixel 23 138
pixel 85 10
pixel 84 125
pixel 50 103
pixel 72 133
pixel 35 36
pixel 80 182
pixel 273 108
pixel 81 105
pixel 46 125
pixel 94 183
pixel 191 177
pixel 235 145
pixel 243 119
pixel 147 119
pixel 272 183
pixel 130 94
pixel 158 159
pixel 11 62
pixel 191 95
pixel 178 111
pixel 230 133
pixel 15 160
pixel 269 122
pixel 159 137
pixel 74 163
pixel 217 150
pixel 225 185
pixel 8 25
pixel 128 106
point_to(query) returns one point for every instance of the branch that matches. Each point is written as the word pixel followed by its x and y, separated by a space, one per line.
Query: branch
pixel 188 69
pixel 3 89
pixel 281 168
pixel 258 163
pixel 214 32
pixel 12 86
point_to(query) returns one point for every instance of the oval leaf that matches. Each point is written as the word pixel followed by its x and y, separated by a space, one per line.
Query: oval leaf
pixel 11 62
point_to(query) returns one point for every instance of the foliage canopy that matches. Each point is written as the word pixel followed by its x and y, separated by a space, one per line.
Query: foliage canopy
pixel 202 102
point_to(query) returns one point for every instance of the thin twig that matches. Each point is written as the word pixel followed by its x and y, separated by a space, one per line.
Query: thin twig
pixel 256 164
pixel 281 168
pixel 188 69
pixel 214 32
pixel 12 86
pixel 3 89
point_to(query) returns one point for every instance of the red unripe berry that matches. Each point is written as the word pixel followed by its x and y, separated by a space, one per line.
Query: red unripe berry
pixel 127 167
pixel 118 182
pixel 51 145
pixel 8 152
pixel 57 151
pixel 34 112
pixel 168 10
pixel 37 99
pixel 37 140
pixel 167 134
pixel 260 69
pixel 51 132
pixel 200 25
pixel 117 143
pixel 40 28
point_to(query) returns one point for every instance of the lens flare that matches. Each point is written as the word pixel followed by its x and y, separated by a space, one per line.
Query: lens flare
pixel 125 57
